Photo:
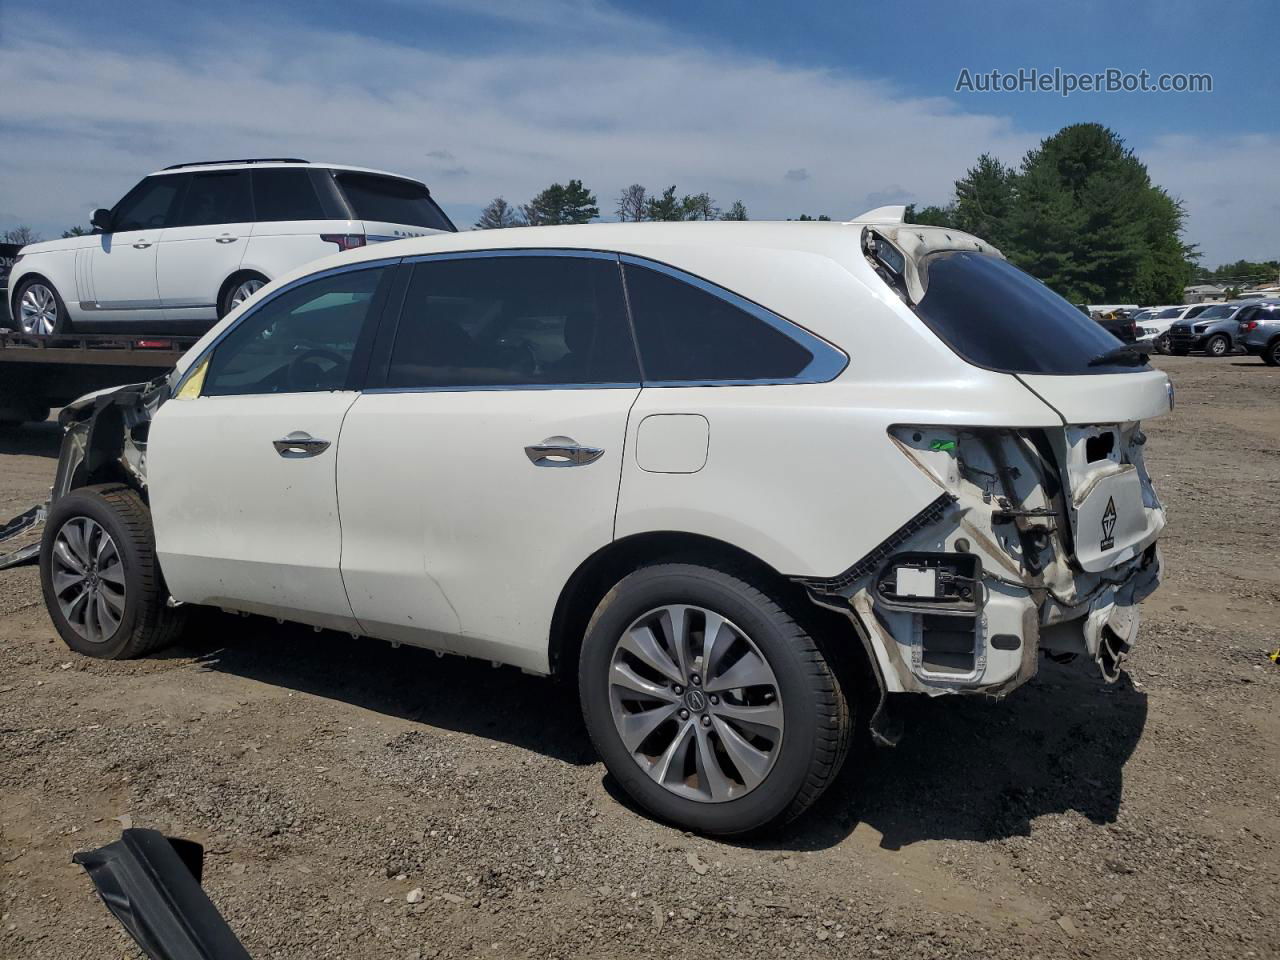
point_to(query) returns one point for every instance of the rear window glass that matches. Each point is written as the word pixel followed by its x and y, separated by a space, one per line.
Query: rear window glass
pixel 688 334
pixel 285 194
pixel 391 200
pixel 996 316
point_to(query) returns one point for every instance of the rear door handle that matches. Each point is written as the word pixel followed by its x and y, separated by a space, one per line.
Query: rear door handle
pixel 298 445
pixel 225 239
pixel 142 244
pixel 562 452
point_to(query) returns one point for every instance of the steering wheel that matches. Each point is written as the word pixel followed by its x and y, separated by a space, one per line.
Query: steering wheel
pixel 314 358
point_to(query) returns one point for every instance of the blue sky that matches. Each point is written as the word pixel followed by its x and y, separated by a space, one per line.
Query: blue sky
pixel 823 107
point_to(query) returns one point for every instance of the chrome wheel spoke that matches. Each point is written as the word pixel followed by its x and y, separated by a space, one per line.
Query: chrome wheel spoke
pixel 88 579
pixel 62 552
pixel 695 703
pixel 63 581
pixel 74 535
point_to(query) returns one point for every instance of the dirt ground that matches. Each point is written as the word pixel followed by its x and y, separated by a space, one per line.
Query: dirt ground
pixel 329 778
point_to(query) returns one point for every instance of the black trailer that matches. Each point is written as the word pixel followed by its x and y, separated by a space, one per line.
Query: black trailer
pixel 38 373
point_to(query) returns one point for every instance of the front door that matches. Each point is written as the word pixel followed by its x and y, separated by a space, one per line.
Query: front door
pixel 122 276
pixel 485 468
pixel 205 245
pixel 242 460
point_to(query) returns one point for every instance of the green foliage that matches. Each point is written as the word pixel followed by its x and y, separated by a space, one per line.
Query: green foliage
pixel 666 207
pixel 560 203
pixel 736 212
pixel 76 231
pixel 1242 271
pixel 808 219
pixel 699 206
pixel 499 214
pixel 1080 213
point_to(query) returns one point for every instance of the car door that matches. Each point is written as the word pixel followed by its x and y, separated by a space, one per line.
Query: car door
pixel 121 279
pixel 205 245
pixel 483 468
pixel 241 462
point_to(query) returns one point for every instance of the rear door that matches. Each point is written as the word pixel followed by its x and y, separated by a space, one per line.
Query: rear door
pixel 242 461
pixel 485 468
pixel 391 208
pixel 205 245
pixel 295 222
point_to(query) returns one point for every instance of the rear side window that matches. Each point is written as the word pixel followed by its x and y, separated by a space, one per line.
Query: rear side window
pixel 150 204
pixel 392 200
pixel 689 334
pixel 513 321
pixel 285 194
pixel 996 316
pixel 221 197
pixel 301 341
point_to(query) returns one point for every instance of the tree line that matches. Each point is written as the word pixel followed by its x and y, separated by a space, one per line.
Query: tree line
pixel 1081 214
pixel 574 203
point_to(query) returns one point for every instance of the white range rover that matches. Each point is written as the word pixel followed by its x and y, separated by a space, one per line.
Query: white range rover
pixel 191 242
pixel 744 483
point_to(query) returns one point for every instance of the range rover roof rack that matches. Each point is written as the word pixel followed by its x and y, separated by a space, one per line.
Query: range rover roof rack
pixel 212 163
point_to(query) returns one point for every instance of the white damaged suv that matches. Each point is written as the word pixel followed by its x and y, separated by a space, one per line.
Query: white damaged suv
pixel 744 483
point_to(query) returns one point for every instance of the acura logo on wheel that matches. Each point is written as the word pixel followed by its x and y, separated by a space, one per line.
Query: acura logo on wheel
pixel 696 701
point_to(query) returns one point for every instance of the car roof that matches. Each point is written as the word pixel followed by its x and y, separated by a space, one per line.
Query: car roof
pixel 273 164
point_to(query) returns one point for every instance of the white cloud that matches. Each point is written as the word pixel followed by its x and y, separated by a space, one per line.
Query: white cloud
pixel 634 105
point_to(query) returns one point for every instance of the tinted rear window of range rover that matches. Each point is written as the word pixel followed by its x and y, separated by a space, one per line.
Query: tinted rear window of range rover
pixel 996 316
pixel 391 200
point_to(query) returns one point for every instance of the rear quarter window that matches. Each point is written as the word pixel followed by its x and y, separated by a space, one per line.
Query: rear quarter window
pixel 285 194
pixel 998 317
pixel 391 200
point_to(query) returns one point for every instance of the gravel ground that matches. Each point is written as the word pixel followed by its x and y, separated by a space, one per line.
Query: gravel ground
pixel 359 801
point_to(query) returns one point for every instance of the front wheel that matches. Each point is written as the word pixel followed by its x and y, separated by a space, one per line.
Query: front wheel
pixel 1271 353
pixel 98 571
pixel 1218 346
pixel 707 702
pixel 1162 343
pixel 40 309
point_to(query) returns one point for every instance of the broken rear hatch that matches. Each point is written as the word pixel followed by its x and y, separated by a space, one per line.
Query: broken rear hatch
pixel 997 317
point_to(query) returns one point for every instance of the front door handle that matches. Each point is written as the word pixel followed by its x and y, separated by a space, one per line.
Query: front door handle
pixel 299 444
pixel 142 244
pixel 561 452
pixel 226 239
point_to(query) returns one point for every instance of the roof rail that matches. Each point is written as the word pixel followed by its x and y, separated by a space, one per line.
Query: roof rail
pixel 213 163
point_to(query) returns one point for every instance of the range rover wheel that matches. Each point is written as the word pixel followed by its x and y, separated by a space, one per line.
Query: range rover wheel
pixel 40 310
pixel 240 291
pixel 709 704
pixel 1218 345
pixel 99 575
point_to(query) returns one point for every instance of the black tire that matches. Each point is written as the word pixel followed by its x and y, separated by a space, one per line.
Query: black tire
pixel 227 302
pixel 61 323
pixel 1162 343
pixel 1271 353
pixel 816 714
pixel 147 623
pixel 1219 345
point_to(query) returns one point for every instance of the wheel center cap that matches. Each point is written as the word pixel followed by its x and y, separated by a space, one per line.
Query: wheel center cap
pixel 696 701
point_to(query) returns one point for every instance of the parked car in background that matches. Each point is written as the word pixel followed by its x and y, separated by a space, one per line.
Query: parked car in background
pixel 1155 328
pixel 550 447
pixel 1119 324
pixel 1258 327
pixel 1213 331
pixel 193 241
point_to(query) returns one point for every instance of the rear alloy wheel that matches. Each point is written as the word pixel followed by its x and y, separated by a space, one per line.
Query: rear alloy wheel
pixel 1218 345
pixel 708 703
pixel 98 570
pixel 239 292
pixel 40 309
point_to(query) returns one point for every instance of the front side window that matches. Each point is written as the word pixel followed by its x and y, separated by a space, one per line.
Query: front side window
pixel 511 321
pixel 221 197
pixel 149 205
pixel 391 200
pixel 691 335
pixel 301 341
pixel 996 316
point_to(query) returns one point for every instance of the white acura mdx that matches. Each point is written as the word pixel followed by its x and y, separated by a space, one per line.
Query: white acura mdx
pixel 745 483
pixel 193 241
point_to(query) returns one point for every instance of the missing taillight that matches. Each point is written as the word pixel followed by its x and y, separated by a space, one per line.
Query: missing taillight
pixel 1100 447
pixel 345 241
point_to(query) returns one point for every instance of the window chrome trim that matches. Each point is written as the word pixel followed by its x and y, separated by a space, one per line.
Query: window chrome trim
pixel 291 285
pixel 584 254
pixel 828 360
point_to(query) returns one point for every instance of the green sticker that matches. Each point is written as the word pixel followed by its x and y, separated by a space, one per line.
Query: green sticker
pixel 947 445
